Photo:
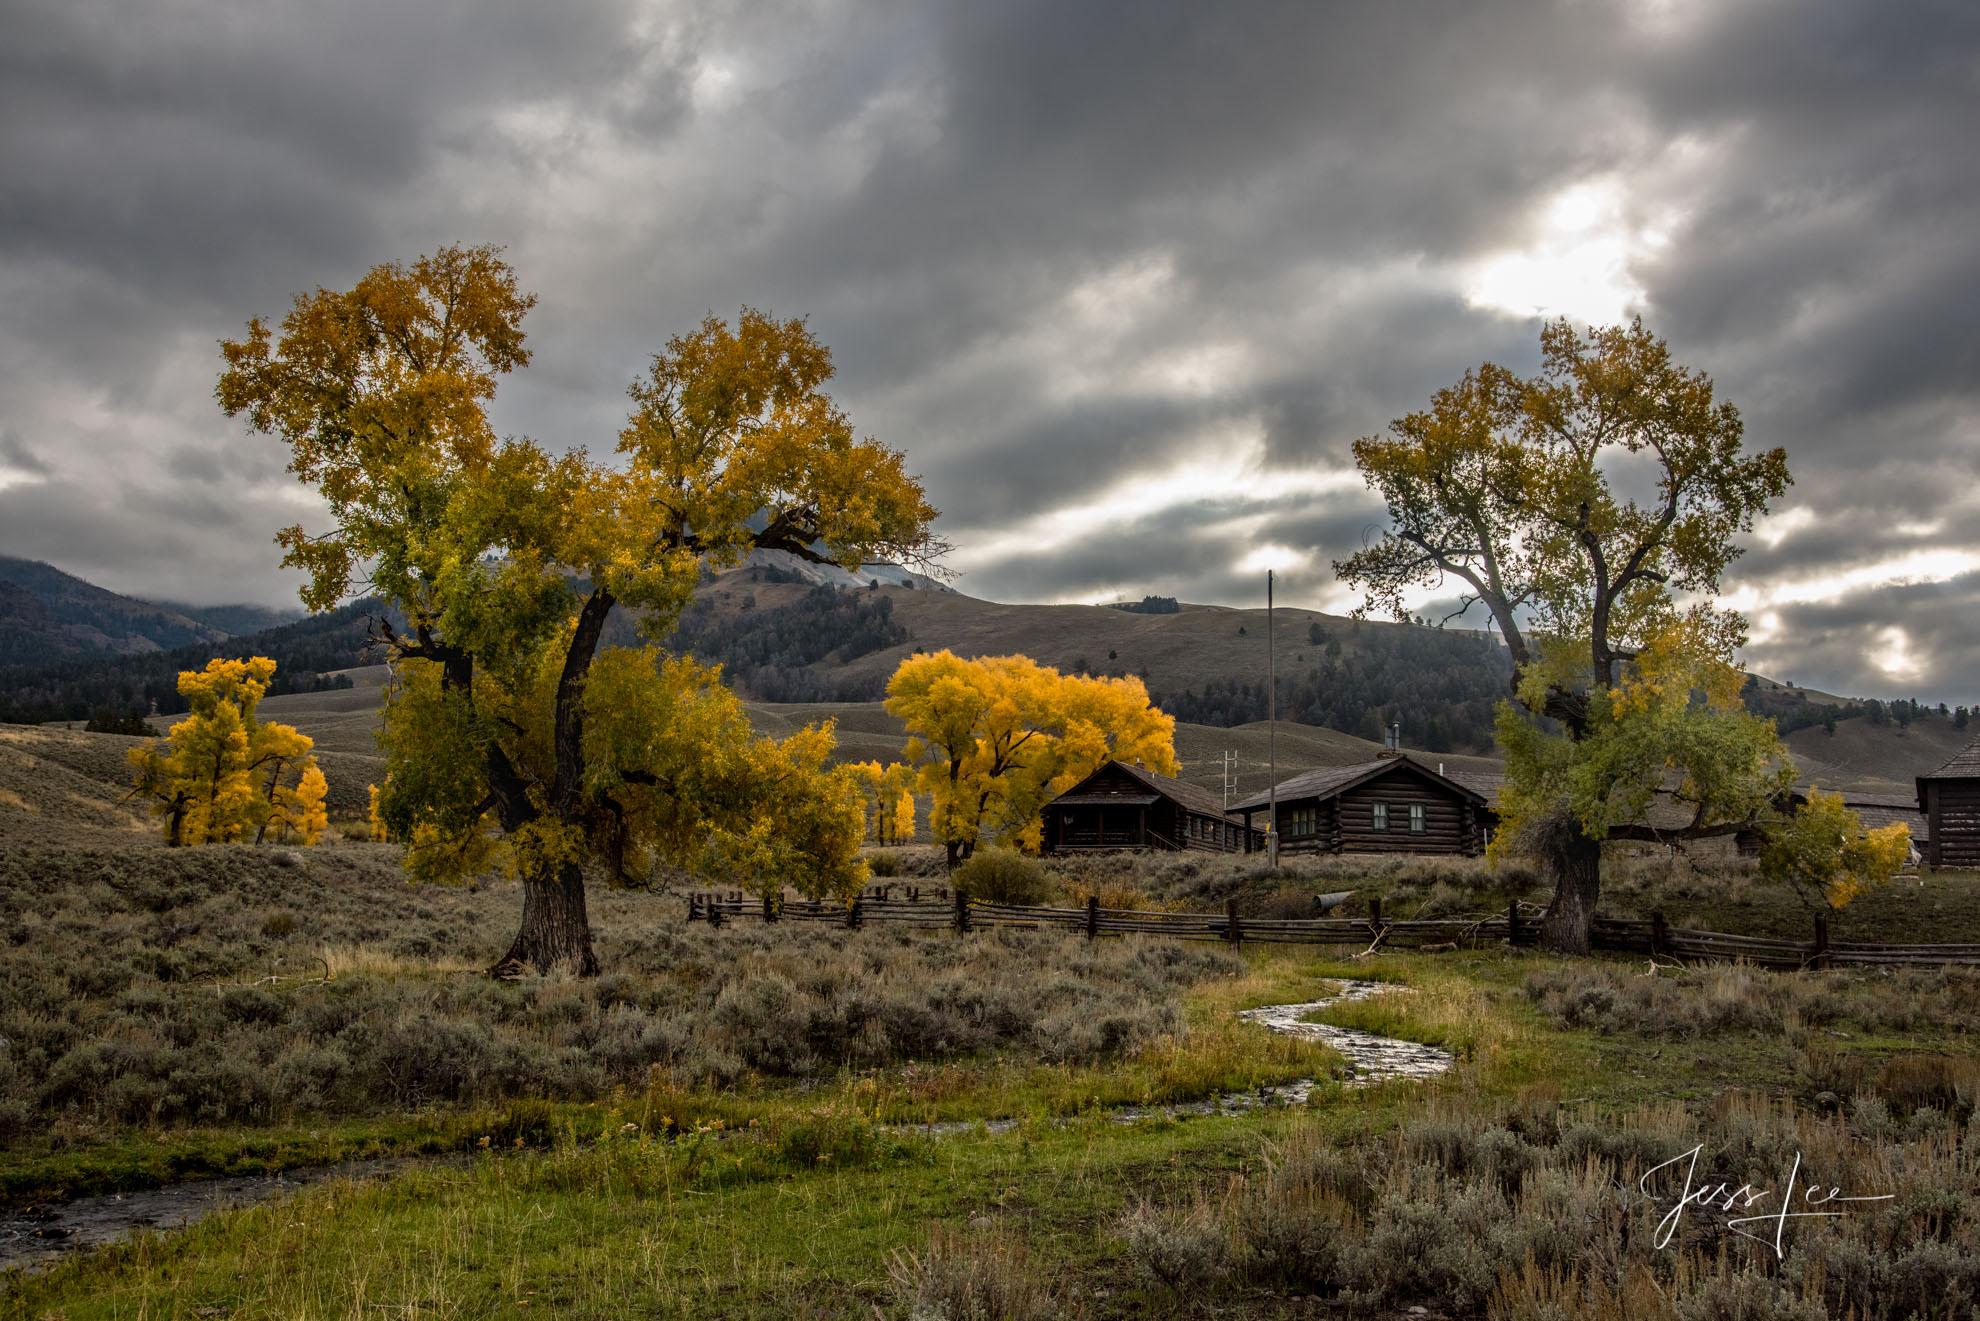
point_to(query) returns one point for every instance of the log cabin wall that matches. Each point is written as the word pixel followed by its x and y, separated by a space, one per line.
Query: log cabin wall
pixel 1444 826
pixel 1953 808
pixel 1345 822
pixel 1119 808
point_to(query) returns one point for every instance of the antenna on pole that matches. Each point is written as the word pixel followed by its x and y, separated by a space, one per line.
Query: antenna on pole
pixel 1271 733
pixel 1230 776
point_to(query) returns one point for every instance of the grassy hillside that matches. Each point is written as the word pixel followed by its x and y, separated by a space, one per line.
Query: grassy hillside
pixel 1862 753
pixel 61 786
pixel 1205 664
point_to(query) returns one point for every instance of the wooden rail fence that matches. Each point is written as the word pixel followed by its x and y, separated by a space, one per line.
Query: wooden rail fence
pixel 944 907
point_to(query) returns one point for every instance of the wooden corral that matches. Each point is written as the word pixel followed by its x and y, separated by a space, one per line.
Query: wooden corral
pixel 1390 805
pixel 1950 799
pixel 1131 807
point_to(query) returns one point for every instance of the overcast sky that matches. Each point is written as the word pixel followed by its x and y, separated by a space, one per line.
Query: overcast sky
pixel 1124 281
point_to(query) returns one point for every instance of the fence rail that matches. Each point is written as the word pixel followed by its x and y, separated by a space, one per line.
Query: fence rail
pixel 942 907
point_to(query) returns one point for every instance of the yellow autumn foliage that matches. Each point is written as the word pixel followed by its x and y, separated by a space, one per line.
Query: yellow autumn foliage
pixel 995 739
pixel 1823 847
pixel 221 774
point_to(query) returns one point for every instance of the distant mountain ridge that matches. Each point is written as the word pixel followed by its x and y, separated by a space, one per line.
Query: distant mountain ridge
pixel 236 619
pixel 307 654
pixel 47 615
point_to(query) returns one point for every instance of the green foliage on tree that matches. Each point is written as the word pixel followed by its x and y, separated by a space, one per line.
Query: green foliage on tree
pixel 1621 696
pixel 514 738
pixel 1824 852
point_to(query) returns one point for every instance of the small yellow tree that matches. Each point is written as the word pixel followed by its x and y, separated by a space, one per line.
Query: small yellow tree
pixel 1824 849
pixel 222 775
pixel 995 739
pixel 889 793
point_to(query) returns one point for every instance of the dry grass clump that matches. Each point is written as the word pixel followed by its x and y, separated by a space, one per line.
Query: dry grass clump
pixel 1531 1210
pixel 976 1275
pixel 163 987
pixel 1701 1001
pixel 1205 881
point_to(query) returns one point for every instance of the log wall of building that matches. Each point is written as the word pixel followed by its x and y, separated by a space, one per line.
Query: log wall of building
pixel 1345 822
pixel 1444 818
pixel 1953 808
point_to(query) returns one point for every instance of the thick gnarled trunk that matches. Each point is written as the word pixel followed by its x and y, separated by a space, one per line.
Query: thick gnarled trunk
pixel 556 932
pixel 1575 861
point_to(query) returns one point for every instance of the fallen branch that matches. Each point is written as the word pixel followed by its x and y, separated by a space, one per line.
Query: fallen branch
pixel 1376 944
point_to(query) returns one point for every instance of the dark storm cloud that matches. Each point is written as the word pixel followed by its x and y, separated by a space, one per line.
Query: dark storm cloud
pixel 1062 252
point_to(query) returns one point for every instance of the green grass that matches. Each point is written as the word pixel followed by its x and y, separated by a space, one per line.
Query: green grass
pixel 686 1190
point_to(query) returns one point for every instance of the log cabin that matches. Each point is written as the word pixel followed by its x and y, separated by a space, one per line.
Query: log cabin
pixel 1950 799
pixel 1131 807
pixel 1389 805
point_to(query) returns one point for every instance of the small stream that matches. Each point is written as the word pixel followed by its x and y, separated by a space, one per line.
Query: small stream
pixel 34 1236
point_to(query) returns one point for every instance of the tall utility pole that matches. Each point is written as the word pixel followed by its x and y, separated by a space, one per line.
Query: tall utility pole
pixel 1230 776
pixel 1271 734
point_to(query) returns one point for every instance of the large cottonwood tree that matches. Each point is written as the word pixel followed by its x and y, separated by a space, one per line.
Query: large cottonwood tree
pixel 512 737
pixel 1580 506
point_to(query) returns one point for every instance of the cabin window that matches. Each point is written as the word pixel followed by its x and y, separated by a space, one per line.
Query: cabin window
pixel 1381 821
pixel 1416 818
pixel 1300 821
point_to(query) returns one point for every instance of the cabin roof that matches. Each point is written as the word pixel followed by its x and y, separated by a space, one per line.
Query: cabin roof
pixel 1331 780
pixel 1964 766
pixel 1183 794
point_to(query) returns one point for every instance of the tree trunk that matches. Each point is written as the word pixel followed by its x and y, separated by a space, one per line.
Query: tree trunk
pixel 556 932
pixel 1576 862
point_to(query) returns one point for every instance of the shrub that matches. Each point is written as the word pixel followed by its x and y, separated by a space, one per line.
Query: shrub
pixel 128 999
pixel 1184 1252
pixel 975 1276
pixel 1003 876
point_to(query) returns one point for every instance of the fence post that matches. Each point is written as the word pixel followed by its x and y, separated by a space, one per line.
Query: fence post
pixel 1233 932
pixel 914 894
pixel 1512 923
pixel 694 907
pixel 769 909
pixel 1821 957
pixel 1374 916
pixel 854 917
pixel 714 911
pixel 1660 934
pixel 1092 916
pixel 962 910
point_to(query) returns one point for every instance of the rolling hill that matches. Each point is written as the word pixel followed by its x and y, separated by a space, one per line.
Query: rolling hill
pixel 800 650
pixel 1204 664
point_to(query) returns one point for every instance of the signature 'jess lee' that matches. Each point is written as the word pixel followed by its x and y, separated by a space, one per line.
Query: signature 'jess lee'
pixel 1725 1197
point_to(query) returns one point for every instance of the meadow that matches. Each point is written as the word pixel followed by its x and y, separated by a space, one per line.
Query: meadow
pixel 796 1120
